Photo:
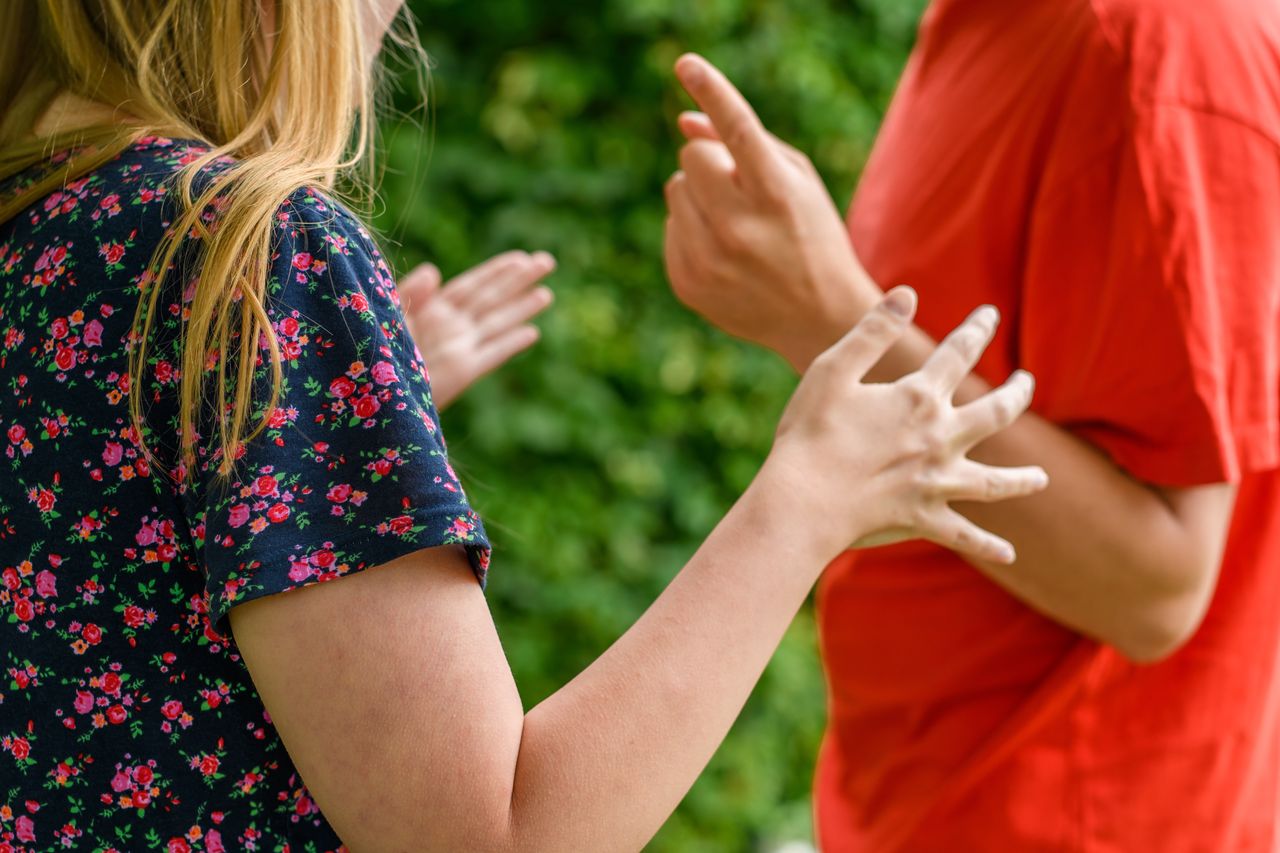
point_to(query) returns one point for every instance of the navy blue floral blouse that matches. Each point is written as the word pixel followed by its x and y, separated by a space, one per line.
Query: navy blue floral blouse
pixel 127 719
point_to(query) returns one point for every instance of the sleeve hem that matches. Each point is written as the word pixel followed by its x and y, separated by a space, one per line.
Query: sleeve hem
pixel 284 570
pixel 1254 448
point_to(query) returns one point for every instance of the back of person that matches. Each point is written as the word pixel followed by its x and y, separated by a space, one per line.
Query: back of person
pixel 1108 174
pixel 128 708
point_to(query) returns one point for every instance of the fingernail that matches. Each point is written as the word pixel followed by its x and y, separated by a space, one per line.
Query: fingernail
pixel 898 301
pixel 1043 480
pixel 1005 553
pixel 545 258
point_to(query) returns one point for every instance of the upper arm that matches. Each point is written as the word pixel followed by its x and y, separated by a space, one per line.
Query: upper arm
pixel 344 552
pixel 1151 299
pixel 393 697
pixel 352 469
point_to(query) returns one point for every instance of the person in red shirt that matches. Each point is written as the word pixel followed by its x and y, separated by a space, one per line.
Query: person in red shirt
pixel 1107 173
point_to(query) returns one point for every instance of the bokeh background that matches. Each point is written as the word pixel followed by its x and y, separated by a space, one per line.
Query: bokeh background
pixel 602 458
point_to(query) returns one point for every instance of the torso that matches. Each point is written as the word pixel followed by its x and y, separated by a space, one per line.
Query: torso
pixel 961 718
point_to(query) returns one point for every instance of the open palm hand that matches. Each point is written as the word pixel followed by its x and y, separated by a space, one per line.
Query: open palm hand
pixel 475 323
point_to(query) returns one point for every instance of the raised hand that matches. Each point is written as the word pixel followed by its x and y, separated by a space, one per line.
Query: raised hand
pixel 478 321
pixel 754 242
pixel 881 462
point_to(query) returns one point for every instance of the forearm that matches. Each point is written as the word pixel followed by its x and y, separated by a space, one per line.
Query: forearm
pixel 605 760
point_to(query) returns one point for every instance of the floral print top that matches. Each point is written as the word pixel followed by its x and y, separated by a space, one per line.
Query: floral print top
pixel 127 719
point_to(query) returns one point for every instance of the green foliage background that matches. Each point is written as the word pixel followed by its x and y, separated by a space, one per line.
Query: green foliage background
pixel 602 458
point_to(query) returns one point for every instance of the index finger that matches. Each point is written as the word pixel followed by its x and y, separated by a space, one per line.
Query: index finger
pixel 730 113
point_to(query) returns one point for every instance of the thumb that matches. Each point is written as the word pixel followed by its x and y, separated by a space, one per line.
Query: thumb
pixel 878 330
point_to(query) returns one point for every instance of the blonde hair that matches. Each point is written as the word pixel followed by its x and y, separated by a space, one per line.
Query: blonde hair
pixel 292 112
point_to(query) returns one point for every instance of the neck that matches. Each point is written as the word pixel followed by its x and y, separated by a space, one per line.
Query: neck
pixel 67 112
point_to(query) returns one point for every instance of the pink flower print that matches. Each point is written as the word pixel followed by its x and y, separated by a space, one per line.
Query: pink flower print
pixel 146 535
pixel 93 334
pixel 46 584
pixel 84 702
pixel 299 571
pixel 384 373
pixel 112 454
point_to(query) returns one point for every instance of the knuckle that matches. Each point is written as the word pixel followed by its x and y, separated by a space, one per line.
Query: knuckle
pixel 935 445
pixel 927 481
pixel 734 236
pixel 737 133
pixel 690 155
pixel 962 538
pixel 1004 409
pixel 967 341
pixel 925 405
pixel 874 325
pixel 996 485
pixel 775 192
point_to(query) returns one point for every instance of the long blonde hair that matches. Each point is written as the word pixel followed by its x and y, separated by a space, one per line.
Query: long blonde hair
pixel 293 112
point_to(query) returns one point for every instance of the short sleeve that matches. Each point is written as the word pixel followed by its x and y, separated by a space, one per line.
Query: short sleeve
pixel 352 470
pixel 1151 301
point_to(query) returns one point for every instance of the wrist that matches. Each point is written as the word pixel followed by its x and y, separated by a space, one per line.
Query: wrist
pixel 782 497
pixel 850 294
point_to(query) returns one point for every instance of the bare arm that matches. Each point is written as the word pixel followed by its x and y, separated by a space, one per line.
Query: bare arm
pixel 1128 563
pixel 421 695
pixel 392 695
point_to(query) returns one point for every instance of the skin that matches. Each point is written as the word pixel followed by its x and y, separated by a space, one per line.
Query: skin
pixel 756 245
pixel 394 699
pixel 390 689
pixel 392 694
pixel 478 321
pixel 473 324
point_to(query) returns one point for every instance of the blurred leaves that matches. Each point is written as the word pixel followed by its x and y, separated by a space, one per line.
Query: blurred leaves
pixel 602 458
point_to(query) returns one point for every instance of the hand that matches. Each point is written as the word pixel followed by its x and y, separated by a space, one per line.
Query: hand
pixel 754 242
pixel 478 321
pixel 880 462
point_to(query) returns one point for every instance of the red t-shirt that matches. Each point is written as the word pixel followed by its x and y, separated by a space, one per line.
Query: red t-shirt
pixel 1108 174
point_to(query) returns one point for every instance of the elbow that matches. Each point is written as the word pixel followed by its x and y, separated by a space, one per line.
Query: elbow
pixel 1160 628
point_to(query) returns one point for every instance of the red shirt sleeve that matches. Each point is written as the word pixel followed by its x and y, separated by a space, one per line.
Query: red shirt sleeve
pixel 1151 302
